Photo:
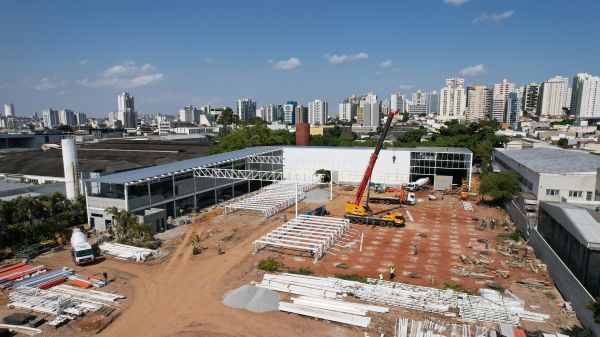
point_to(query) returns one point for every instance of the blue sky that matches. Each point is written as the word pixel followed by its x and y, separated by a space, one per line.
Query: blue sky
pixel 168 54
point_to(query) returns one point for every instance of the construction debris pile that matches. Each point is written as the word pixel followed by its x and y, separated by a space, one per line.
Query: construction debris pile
pixel 271 199
pixel 313 234
pixel 431 328
pixel 521 256
pixel 491 306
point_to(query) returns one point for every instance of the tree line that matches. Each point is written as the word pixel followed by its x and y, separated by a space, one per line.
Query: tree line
pixel 27 220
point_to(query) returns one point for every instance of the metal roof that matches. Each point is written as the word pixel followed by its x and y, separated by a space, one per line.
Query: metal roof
pixel 581 221
pixel 180 166
pixel 554 160
pixel 167 169
pixel 399 149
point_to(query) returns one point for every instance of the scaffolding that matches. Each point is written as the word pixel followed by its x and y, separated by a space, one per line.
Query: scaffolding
pixel 307 233
pixel 271 199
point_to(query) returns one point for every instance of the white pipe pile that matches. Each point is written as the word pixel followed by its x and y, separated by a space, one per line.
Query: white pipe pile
pixel 126 252
pixel 444 302
pixel 271 199
pixel 313 234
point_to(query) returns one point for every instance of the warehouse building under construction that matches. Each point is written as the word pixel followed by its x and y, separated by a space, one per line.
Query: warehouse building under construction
pixel 173 189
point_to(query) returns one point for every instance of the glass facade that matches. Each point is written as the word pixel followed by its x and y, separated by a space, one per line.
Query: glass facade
pixel 429 164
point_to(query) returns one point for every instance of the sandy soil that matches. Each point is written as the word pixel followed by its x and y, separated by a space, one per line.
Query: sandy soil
pixel 181 295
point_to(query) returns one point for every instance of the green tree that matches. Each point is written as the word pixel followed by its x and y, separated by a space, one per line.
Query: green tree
pixel 563 142
pixel 228 117
pixel 257 135
pixel 594 306
pixel 500 186
pixel 65 128
pixel 254 120
pixel 405 117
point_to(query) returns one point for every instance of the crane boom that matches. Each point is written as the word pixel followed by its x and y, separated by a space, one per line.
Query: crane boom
pixel 373 158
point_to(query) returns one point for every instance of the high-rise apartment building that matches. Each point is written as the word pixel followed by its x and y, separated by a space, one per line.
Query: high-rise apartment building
pixel 126 113
pixel 419 103
pixel 453 100
pixel 289 112
pixel 531 98
pixel 246 108
pixel 553 96
pixel 513 110
pixel 479 103
pixel 50 118
pixel 9 110
pixel 66 117
pixel 585 97
pixel 347 111
pixel 317 112
pixel 80 118
pixel 371 114
pixel 398 102
pixel 301 114
pixel 500 93
pixel 433 103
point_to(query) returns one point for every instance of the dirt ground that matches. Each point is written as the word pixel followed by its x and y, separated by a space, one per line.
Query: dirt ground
pixel 181 294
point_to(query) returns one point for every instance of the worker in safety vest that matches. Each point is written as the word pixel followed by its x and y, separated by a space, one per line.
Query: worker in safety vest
pixel 392 273
pixel 381 277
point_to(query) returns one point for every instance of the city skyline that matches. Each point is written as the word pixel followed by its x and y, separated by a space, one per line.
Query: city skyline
pixel 167 66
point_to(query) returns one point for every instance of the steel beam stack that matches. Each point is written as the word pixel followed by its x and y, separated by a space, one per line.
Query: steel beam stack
pixel 314 234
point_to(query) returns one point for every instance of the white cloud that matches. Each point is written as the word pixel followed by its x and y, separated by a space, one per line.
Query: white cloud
pixel 386 64
pixel 125 75
pixel 475 70
pixel 286 64
pixel 84 62
pixel 335 59
pixel 48 84
pixel 406 86
pixel 495 17
pixel 455 2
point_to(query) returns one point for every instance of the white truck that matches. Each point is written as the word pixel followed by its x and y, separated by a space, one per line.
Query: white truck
pixel 417 185
pixel 81 250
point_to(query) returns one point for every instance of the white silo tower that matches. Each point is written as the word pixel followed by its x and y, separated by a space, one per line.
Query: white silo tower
pixel 69 154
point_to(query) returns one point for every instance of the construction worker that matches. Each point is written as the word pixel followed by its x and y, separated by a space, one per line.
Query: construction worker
pixel 105 277
pixel 392 273
pixel 381 277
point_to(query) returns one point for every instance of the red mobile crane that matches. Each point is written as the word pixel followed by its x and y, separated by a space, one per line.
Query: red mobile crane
pixel 358 213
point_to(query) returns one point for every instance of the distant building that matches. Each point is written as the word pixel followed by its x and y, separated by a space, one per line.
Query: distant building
pixel 9 110
pixel 126 112
pixel 553 96
pixel 317 112
pixel 189 114
pixel 433 103
pixel 347 111
pixel 371 114
pixel 500 93
pixel 419 103
pixel 479 103
pixel 80 118
pixel 453 100
pixel 585 97
pixel 531 98
pixel 246 108
pixel 289 112
pixel 301 114
pixel 513 111
pixel 67 117
pixel 50 118
pixel 397 102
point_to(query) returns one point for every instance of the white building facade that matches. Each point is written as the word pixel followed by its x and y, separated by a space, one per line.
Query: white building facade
pixel 479 102
pixel 453 100
pixel 553 96
pixel 317 112
pixel 585 97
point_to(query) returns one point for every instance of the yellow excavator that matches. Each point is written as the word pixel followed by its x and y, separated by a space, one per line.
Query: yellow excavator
pixel 360 214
